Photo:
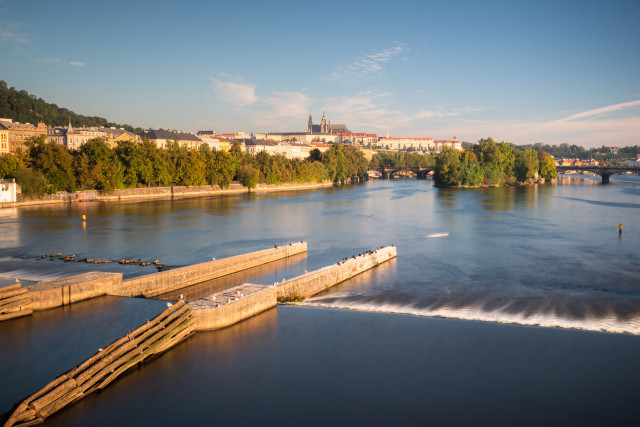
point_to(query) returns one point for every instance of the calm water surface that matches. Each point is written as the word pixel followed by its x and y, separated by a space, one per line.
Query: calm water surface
pixel 546 255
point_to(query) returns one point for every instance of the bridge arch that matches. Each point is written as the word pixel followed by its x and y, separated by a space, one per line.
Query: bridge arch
pixel 604 171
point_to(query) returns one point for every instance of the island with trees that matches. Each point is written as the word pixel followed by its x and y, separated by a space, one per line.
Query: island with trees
pixel 489 163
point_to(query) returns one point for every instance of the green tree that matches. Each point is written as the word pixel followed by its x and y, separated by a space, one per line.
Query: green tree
pixel 9 165
pixel 247 175
pixel 315 155
pixel 54 161
pixel 447 168
pixel 471 173
pixel 547 166
pixel 138 166
pixel 32 182
pixel 98 167
pixel 190 168
pixel 526 164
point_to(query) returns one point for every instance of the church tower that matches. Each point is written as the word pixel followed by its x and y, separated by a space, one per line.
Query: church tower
pixel 323 124
pixel 310 127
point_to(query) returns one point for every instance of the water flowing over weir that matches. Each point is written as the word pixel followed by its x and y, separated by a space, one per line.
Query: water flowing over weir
pixel 602 314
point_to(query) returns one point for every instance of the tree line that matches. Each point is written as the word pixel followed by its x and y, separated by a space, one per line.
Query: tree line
pixel 48 167
pixel 578 152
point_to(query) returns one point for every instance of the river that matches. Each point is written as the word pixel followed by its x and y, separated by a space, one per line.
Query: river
pixel 505 305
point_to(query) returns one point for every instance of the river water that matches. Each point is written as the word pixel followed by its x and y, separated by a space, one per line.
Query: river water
pixel 505 305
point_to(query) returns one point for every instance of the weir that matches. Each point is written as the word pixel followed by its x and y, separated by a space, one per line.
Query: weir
pixel 241 302
pixel 60 292
pixel 175 324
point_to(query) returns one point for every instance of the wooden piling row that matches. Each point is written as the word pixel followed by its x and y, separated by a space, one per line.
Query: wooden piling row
pixel 154 337
pixel 13 302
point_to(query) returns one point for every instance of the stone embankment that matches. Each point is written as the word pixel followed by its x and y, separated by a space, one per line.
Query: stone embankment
pixel 161 193
pixel 241 302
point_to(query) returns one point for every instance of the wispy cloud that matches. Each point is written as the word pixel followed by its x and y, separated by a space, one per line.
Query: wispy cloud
pixel 237 94
pixel 77 64
pixel 11 34
pixel 287 104
pixel 366 65
pixel 610 125
pixel 281 109
pixel 376 110
pixel 601 111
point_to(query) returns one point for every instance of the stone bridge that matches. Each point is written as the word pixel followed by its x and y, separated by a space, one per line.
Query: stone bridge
pixel 390 172
pixel 604 171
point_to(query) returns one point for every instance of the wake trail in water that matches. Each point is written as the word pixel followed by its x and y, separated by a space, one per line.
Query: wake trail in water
pixel 600 317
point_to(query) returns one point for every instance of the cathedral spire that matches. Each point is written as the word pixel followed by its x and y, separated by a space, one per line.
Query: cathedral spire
pixel 70 128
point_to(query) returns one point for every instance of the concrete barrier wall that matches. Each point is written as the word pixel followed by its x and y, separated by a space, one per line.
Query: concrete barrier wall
pixel 56 293
pixel 317 281
pixel 227 315
pixel 305 286
pixel 166 281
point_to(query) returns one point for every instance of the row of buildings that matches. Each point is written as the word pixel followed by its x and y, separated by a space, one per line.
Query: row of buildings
pixel 630 162
pixel 290 144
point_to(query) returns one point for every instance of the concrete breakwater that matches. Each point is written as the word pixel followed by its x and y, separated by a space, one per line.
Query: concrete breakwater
pixel 57 293
pixel 241 302
pixel 166 281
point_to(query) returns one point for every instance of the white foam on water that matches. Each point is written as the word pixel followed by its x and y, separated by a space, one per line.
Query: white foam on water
pixel 610 323
pixel 443 234
pixel 34 275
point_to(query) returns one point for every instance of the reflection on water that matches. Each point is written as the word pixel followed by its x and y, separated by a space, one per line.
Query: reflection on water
pixel 38 348
pixel 330 367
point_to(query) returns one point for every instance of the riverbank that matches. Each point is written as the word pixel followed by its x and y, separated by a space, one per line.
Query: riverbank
pixel 165 192
pixel 532 182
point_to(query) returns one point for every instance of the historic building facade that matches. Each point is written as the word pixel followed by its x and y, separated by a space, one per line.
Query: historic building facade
pixel 18 133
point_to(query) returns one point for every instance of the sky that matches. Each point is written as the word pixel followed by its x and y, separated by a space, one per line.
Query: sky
pixel 524 72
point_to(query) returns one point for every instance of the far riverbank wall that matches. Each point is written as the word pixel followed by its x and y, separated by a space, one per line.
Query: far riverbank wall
pixel 164 193
pixel 241 302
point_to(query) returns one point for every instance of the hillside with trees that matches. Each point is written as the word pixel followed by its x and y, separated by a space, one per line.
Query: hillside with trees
pixel 20 106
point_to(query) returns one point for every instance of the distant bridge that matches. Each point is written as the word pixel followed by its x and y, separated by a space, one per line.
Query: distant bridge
pixel 604 171
pixel 386 173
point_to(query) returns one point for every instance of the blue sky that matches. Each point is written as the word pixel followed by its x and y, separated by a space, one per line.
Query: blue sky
pixel 544 71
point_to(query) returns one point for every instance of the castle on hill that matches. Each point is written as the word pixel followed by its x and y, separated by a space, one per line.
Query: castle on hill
pixel 325 127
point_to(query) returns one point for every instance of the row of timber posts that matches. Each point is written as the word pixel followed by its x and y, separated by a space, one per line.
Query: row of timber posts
pixel 14 302
pixel 154 337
